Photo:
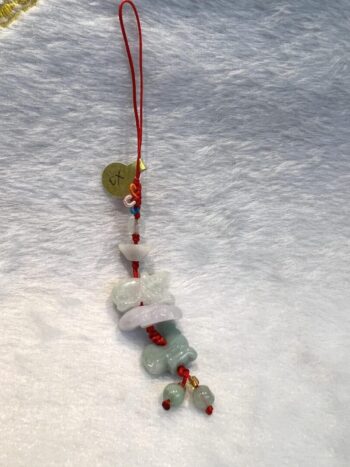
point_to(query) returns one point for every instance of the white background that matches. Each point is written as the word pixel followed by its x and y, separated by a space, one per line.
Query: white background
pixel 246 203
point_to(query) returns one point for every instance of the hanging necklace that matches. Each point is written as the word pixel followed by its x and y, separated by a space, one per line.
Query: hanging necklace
pixel 143 299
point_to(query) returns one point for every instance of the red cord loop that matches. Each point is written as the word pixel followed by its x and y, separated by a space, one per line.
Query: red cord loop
pixel 138 109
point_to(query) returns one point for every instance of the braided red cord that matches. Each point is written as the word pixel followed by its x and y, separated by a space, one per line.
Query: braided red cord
pixel 136 187
pixel 184 373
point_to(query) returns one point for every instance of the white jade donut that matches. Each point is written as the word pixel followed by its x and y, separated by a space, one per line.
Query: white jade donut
pixel 147 315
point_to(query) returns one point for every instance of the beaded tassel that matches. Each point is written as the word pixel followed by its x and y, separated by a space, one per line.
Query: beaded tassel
pixel 144 300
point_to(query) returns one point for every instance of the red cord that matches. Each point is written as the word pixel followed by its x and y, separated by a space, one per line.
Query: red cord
pixel 138 113
pixel 135 187
pixel 184 373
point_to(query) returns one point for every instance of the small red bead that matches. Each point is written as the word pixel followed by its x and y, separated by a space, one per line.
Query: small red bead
pixel 166 404
pixel 180 371
pixel 209 409
pixel 135 238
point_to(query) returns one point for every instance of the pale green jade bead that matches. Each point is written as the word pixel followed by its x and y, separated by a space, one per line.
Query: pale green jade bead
pixel 175 393
pixel 136 226
pixel 203 397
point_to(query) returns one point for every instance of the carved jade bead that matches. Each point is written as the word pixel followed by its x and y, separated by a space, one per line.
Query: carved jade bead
pixel 203 397
pixel 175 393
pixel 157 360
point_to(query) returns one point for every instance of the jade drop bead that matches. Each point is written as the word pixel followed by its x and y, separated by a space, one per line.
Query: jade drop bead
pixel 175 393
pixel 202 397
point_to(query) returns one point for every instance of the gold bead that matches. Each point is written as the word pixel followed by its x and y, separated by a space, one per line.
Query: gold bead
pixel 193 380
